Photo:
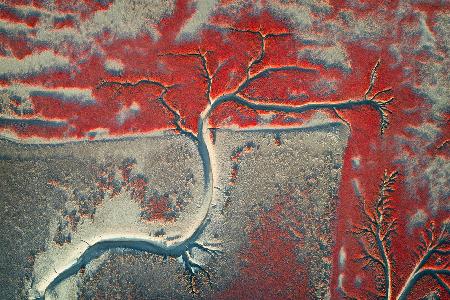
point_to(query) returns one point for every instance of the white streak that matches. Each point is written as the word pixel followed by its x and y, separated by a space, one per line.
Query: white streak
pixel 22 93
pixel 200 17
pixel 33 64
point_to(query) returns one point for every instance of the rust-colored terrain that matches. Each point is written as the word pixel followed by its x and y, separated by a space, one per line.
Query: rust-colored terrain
pixel 224 149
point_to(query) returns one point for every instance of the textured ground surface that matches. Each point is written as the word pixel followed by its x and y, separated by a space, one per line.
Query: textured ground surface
pixel 302 172
pixel 110 103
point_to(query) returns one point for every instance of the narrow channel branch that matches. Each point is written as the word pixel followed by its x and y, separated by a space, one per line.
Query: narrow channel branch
pixel 378 226
pixel 177 118
pixel 375 232
pixel 381 106
pixel 373 78
pixel 441 282
pixel 164 89
pixel 262 44
pixel 339 116
pixel 206 74
pixel 431 244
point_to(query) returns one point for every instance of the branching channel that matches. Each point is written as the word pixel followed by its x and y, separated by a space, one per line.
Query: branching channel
pixel 180 247
pixel 375 236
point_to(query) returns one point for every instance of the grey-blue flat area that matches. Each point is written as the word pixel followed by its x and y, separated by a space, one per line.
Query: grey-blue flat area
pixel 30 205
